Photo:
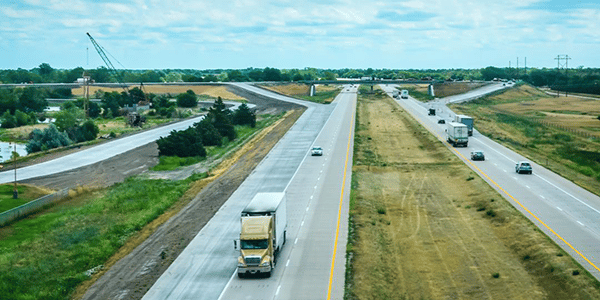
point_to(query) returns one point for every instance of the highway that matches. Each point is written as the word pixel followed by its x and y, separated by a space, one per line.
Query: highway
pixel 311 264
pixel 568 214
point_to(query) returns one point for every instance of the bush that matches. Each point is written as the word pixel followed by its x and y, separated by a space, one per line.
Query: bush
pixel 48 139
pixel 185 143
pixel 187 99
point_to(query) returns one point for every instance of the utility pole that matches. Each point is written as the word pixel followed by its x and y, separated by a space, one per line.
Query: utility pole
pixel 15 190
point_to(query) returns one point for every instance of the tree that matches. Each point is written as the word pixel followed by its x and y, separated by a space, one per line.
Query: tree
pixel 208 133
pixel 187 99
pixel 220 117
pixel 110 104
pixel 8 120
pixel 88 131
pixel 244 116
pixel 185 143
pixel 31 99
pixel 272 74
pixel 45 69
pixel 66 119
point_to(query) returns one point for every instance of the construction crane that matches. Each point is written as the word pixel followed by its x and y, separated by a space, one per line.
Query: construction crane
pixel 108 63
pixel 134 118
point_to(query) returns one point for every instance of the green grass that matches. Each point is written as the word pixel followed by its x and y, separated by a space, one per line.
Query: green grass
pixel 6 196
pixel 421 96
pixel 46 257
pixel 321 97
pixel 169 163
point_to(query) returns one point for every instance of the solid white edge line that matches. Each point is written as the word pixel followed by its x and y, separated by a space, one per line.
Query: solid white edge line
pixel 552 184
pixel 227 285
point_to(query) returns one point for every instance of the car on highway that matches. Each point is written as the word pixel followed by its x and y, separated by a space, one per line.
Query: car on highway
pixel 316 151
pixel 477 155
pixel 523 167
pixel 441 121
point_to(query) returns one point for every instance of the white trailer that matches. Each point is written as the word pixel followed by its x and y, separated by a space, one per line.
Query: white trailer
pixel 457 134
pixel 270 204
pixel 404 94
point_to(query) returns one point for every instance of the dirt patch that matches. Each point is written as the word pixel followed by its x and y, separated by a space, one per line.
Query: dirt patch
pixel 424 226
pixel 132 271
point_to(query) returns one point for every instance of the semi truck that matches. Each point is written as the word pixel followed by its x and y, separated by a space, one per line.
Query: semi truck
pixel 262 234
pixel 404 94
pixel 467 121
pixel 457 134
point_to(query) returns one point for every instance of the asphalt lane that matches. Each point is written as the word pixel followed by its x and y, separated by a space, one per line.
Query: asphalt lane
pixel 312 263
pixel 205 267
pixel 566 212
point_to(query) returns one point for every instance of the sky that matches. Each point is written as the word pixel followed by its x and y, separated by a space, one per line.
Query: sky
pixel 200 34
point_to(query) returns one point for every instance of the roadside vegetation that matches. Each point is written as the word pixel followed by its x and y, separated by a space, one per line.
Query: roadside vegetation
pixel 26 194
pixel 323 93
pixel 48 254
pixel 562 134
pixel 422 225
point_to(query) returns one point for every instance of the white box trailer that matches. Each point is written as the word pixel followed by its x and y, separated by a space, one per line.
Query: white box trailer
pixel 270 204
pixel 457 134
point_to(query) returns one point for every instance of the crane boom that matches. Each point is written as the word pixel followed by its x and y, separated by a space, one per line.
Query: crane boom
pixel 108 63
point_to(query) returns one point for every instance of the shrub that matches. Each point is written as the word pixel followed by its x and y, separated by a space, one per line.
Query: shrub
pixel 187 99
pixel 48 139
pixel 183 143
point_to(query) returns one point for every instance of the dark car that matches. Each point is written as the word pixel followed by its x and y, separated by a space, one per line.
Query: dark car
pixel 441 121
pixel 477 155
pixel 523 167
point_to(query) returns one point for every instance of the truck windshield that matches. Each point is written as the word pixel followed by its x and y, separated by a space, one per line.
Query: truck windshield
pixel 254 244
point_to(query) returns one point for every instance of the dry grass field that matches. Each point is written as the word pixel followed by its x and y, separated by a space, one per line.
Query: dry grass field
pixel 424 226
pixel 213 91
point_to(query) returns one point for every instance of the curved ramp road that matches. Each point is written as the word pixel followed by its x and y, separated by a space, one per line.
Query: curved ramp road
pixel 317 217
pixel 98 153
pixel 566 212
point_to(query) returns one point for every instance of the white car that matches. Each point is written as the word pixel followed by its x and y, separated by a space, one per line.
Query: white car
pixel 316 151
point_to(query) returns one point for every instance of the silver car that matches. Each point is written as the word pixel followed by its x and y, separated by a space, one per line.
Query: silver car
pixel 523 167
pixel 316 151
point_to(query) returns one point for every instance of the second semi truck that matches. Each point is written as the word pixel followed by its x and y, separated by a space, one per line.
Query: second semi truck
pixel 467 121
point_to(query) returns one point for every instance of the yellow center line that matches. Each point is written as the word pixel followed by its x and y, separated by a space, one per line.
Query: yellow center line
pixel 337 230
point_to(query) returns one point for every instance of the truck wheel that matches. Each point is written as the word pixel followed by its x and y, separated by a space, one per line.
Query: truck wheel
pixel 241 275
pixel 268 274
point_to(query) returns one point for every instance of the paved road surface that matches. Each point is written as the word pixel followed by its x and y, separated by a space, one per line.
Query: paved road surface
pixel 567 213
pixel 206 268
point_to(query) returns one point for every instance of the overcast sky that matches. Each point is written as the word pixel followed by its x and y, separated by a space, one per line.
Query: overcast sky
pixel 199 34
